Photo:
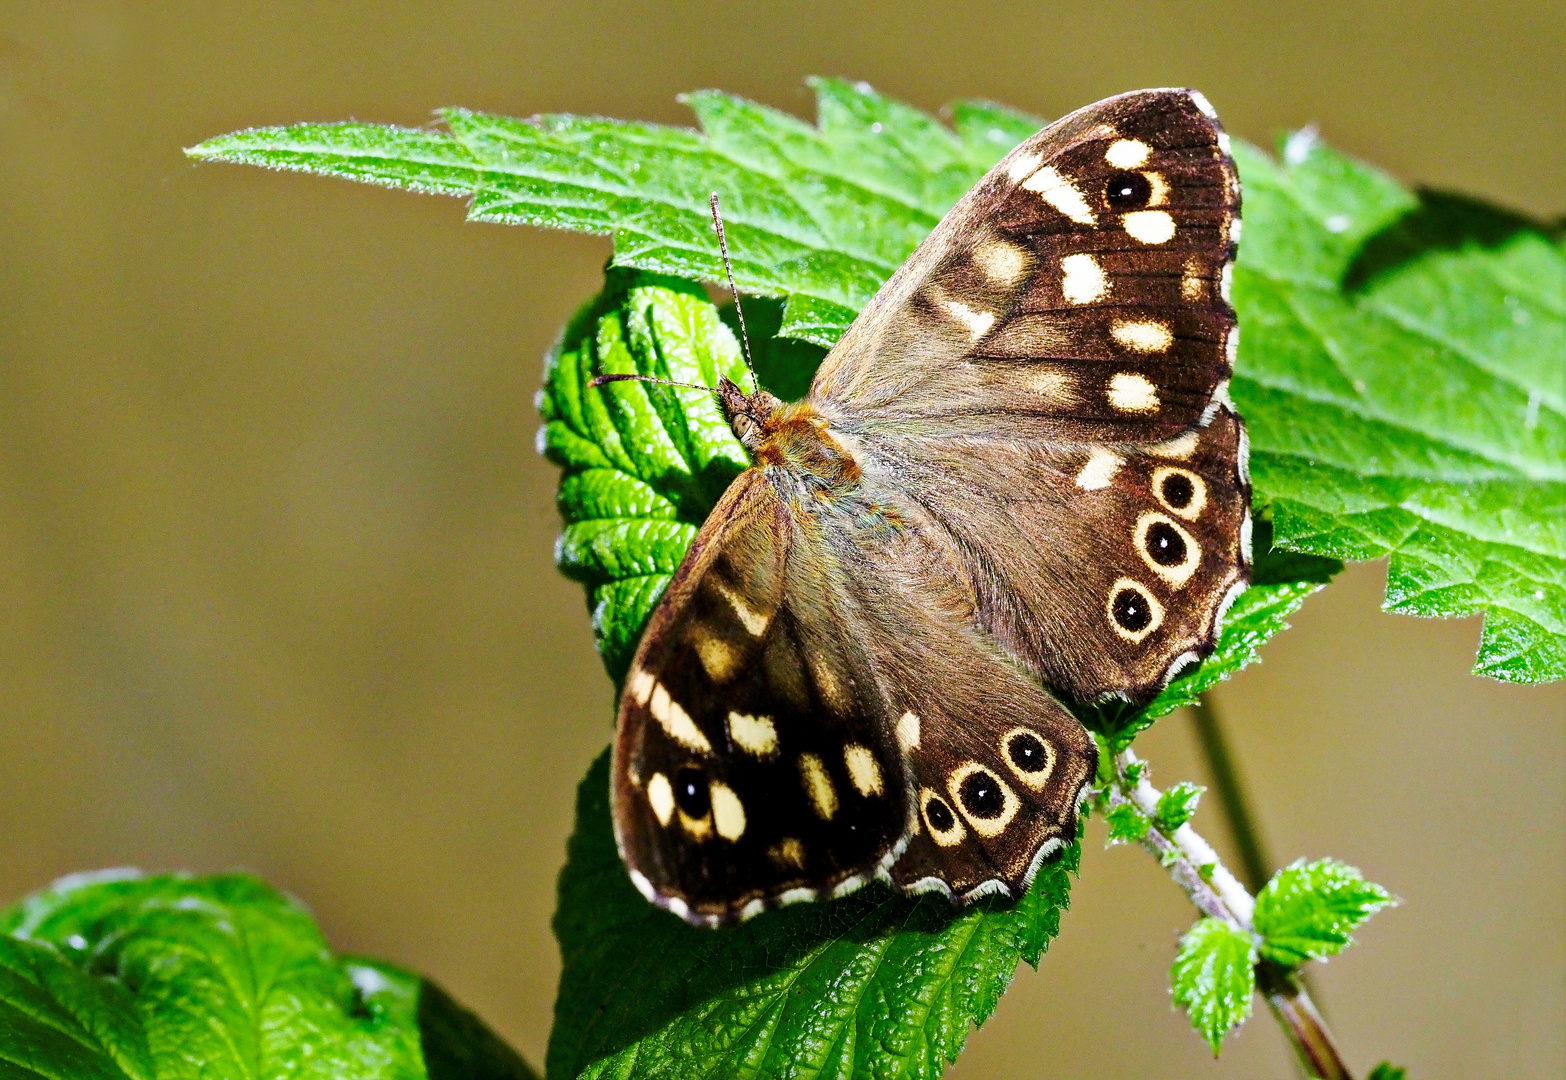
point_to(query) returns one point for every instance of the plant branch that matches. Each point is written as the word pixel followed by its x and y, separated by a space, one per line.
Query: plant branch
pixel 1254 864
pixel 1196 868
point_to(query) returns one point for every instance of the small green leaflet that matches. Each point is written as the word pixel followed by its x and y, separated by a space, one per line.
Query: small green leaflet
pixel 1213 977
pixel 1308 910
pixel 1127 824
pixel 1400 358
pixel 1387 1071
pixel 1177 806
pixel 873 984
pixel 117 976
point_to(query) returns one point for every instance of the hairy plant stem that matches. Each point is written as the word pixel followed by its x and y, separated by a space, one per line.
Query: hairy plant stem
pixel 1218 894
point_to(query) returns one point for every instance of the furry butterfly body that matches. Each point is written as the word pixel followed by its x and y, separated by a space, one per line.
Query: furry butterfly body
pixel 1017 475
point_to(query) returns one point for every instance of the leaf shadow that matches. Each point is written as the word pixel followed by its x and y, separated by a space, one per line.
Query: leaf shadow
pixel 1442 221
pixel 458 1046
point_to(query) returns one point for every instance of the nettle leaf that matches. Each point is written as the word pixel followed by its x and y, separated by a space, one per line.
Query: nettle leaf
pixel 873 984
pixel 1399 366
pixel 128 977
pixel 642 464
pixel 1308 910
pixel 1213 978
pixel 1387 1071
pixel 1400 371
pixel 820 213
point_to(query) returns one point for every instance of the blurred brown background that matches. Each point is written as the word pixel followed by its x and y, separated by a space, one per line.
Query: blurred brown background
pixel 276 588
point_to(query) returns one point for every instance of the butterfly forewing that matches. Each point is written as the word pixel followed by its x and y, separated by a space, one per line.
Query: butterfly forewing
pixel 1056 350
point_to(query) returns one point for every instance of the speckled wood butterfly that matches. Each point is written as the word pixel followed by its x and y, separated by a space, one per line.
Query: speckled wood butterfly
pixel 1018 469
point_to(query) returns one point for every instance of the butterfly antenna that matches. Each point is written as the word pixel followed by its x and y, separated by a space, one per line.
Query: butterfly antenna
pixel 628 377
pixel 728 268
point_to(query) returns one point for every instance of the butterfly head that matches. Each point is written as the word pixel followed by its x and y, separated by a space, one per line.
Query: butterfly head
pixel 752 416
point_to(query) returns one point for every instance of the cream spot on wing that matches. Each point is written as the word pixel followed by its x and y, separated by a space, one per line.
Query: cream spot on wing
pixel 754 621
pixel 977 322
pixel 660 794
pixel 828 686
pixel 1234 230
pixel 1130 392
pixel 862 769
pixel 1223 143
pixel 1127 153
pixel 908 731
pixel 1149 226
pixel 985 826
pixel 752 908
pixel 754 734
pixel 728 813
pixel 1231 346
pixel 1159 194
pixel 717 655
pixel 1100 469
pixel 801 895
pixel 676 721
pixel 788 852
pixel 1181 446
pixel 1178 574
pixel 818 786
pixel 1226 283
pixel 1203 105
pixel 641 685
pixel 1021 167
pixel 1082 279
pixel 1145 336
pixel 1052 384
pixel 1061 194
pixel 1192 283
pixel 1003 263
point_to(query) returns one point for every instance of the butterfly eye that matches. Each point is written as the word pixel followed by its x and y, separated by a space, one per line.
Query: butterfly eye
pixel 1178 491
pixel 691 793
pixel 1164 545
pixel 1127 190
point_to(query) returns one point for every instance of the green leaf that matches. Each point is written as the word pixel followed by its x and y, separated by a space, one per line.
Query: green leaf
pixel 1387 1071
pixel 128 977
pixel 1419 413
pixel 1308 910
pixel 873 984
pixel 642 464
pixel 1213 977
pixel 1400 362
pixel 1177 806
pixel 819 212
pixel 1127 824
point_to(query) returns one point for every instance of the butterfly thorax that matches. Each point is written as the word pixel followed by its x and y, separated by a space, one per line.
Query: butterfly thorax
pixel 791 437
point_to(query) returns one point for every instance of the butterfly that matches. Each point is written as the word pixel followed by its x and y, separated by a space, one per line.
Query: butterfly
pixel 1017 478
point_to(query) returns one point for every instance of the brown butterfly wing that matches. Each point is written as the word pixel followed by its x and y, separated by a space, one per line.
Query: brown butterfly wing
pixel 1056 350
